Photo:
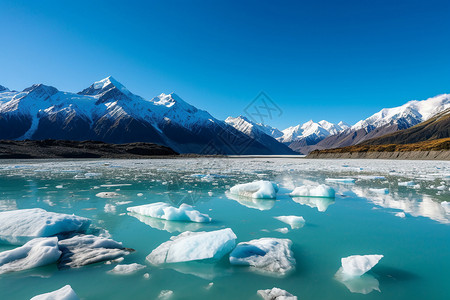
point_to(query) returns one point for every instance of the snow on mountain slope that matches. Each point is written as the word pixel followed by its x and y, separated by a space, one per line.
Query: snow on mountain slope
pixel 311 132
pixel 407 115
pixel 107 111
pixel 264 134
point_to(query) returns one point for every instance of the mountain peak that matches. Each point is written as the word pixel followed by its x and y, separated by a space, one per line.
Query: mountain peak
pixel 3 89
pixel 41 89
pixel 104 85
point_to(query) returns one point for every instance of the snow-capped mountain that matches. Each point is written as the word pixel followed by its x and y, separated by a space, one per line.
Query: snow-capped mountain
pixel 311 132
pixel 386 121
pixel 264 134
pixel 107 111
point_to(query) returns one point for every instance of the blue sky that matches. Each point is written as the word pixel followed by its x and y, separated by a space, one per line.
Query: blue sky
pixel 333 60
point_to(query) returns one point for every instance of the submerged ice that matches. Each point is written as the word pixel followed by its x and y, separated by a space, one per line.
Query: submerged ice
pixel 295 222
pixel 191 246
pixel 161 210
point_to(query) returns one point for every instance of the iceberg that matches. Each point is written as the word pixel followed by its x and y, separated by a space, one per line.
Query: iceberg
pixel 82 250
pixel 295 222
pixel 161 210
pixel 37 252
pixel 20 226
pixel 191 246
pixel 357 265
pixel 320 203
pixel 276 294
pixel 270 255
pixel 259 189
pixel 126 269
pixel 64 293
pixel 108 195
pixel 313 191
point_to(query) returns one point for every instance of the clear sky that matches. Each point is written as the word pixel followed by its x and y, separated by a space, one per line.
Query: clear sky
pixel 333 60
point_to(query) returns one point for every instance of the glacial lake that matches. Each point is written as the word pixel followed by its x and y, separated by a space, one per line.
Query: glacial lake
pixel 359 220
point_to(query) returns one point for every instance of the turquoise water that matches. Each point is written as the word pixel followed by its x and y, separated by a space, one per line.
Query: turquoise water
pixel 416 249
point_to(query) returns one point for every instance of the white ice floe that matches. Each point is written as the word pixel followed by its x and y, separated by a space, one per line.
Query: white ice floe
pixel 371 177
pixel 266 254
pixel 82 250
pixel 320 203
pixel 407 183
pixel 64 293
pixel 37 252
pixel 357 265
pixel 259 189
pixel 127 269
pixel 110 208
pixel 165 294
pixel 283 230
pixel 313 191
pixel 20 226
pixel 107 195
pixel 295 222
pixel 276 294
pixel 380 191
pixel 400 214
pixel 341 180
pixel 190 246
pixel 161 210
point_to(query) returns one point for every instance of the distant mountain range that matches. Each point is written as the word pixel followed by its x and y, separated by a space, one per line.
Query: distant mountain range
pixel 106 111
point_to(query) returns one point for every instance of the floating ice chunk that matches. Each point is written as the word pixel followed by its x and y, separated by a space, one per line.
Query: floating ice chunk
pixel 110 208
pixel 380 191
pixel 161 210
pixel 139 194
pixel 320 203
pixel 107 195
pixel 82 250
pixel 165 294
pixel 116 185
pixel 64 293
pixel 400 215
pixel 446 206
pixel 59 186
pixel 146 276
pixel 266 254
pixel 407 183
pixel 356 265
pixel 276 294
pixel 283 230
pixel 190 246
pixel 441 188
pixel 37 252
pixel 294 221
pixel 259 189
pixel 313 191
pixel 126 269
pixel 169 226
pixel 341 180
pixel 363 284
pixel 20 226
